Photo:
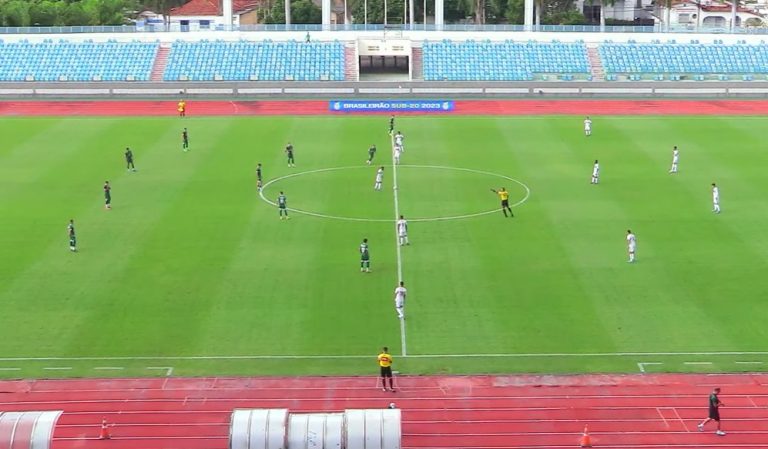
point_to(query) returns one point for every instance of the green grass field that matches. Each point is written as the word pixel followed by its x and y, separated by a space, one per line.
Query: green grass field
pixel 191 265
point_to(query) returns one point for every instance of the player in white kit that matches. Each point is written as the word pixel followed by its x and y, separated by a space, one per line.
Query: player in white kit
pixel 400 293
pixel 399 141
pixel 675 159
pixel 397 151
pixel 379 178
pixel 587 126
pixel 715 199
pixel 631 245
pixel 402 231
pixel 595 173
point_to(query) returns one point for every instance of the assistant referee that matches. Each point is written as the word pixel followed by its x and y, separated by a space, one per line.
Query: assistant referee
pixel 385 367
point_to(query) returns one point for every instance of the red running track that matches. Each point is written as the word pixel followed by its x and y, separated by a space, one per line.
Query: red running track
pixel 641 411
pixel 319 107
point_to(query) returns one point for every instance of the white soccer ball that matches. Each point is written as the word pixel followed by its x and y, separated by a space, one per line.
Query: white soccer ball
pixel 392 405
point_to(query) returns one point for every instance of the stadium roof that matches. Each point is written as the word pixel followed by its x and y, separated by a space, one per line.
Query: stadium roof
pixel 212 7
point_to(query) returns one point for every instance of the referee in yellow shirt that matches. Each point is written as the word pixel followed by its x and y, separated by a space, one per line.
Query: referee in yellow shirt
pixel 504 197
pixel 385 365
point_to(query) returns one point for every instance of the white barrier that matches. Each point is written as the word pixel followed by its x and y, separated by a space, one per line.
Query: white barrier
pixel 279 429
pixel 27 430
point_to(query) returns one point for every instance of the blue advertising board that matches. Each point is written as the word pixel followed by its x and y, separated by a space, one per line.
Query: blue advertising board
pixel 391 105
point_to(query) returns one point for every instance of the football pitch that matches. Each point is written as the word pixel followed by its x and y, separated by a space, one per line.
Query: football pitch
pixel 192 272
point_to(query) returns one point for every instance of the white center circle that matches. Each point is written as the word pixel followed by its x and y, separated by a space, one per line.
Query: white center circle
pixel 436 167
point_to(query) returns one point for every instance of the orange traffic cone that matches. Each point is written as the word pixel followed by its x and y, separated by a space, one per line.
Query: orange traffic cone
pixel 586 441
pixel 104 434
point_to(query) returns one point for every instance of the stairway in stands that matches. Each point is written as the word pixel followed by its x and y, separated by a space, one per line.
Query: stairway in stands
pixel 595 64
pixel 417 63
pixel 161 60
pixel 351 72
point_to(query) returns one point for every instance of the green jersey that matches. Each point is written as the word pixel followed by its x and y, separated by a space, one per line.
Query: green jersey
pixel 371 151
pixel 364 255
pixel 282 202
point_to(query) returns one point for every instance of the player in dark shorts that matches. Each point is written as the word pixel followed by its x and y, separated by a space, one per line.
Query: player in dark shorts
pixel 72 237
pixel 504 197
pixel 282 206
pixel 289 153
pixel 385 369
pixel 129 159
pixel 391 124
pixel 185 140
pixel 258 176
pixel 714 412
pixel 107 195
pixel 371 154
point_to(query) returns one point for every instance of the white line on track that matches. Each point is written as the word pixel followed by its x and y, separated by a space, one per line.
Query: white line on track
pixel 642 365
pixel 368 356
pixel 395 188
pixel 168 369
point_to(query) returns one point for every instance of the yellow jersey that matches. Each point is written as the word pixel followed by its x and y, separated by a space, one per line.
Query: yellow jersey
pixel 503 195
pixel 385 360
pixel 182 106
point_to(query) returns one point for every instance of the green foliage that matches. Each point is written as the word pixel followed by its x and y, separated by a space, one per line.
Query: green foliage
pixel 302 12
pixel 19 13
pixel 376 11
pixel 515 12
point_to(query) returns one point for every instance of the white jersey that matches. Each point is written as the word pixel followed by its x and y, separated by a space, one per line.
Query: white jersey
pixel 715 194
pixel 675 156
pixel 379 175
pixel 399 140
pixel 587 125
pixel 631 241
pixel 596 170
pixel 402 227
pixel 400 293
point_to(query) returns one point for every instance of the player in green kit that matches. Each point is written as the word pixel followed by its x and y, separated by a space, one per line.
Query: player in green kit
pixel 72 237
pixel 185 140
pixel 282 206
pixel 371 154
pixel 365 257
pixel 391 124
pixel 289 154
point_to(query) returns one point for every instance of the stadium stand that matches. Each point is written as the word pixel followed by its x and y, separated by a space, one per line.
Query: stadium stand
pixel 247 60
pixel 76 61
pixel 503 61
pixel 678 59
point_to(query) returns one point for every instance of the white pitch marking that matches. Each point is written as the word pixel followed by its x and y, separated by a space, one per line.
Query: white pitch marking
pixel 697 363
pixel 10 369
pixel 384 220
pixel 168 369
pixel 58 368
pixel 395 188
pixel 748 363
pixel 109 368
pixel 418 356
pixel 642 365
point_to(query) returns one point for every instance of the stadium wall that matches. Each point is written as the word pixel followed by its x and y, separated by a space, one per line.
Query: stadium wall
pixel 324 90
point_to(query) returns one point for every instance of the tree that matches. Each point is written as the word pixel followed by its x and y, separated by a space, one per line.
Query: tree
pixel 75 15
pixel 16 13
pixel 515 13
pixel 376 11
pixel 46 13
pixel 305 11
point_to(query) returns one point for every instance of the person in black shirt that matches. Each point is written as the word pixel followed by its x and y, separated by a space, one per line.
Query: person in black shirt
pixel 714 412
pixel 129 159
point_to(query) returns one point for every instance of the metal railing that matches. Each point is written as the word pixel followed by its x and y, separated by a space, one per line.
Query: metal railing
pixel 159 28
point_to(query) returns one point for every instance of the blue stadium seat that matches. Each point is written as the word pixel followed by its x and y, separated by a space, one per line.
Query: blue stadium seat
pixel 693 58
pixel 502 60
pixel 76 61
pixel 262 60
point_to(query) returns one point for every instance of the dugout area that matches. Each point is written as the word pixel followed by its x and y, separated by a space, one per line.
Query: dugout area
pixel 27 430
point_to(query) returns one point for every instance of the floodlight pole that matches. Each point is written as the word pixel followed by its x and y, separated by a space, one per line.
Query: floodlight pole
pixel 385 16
